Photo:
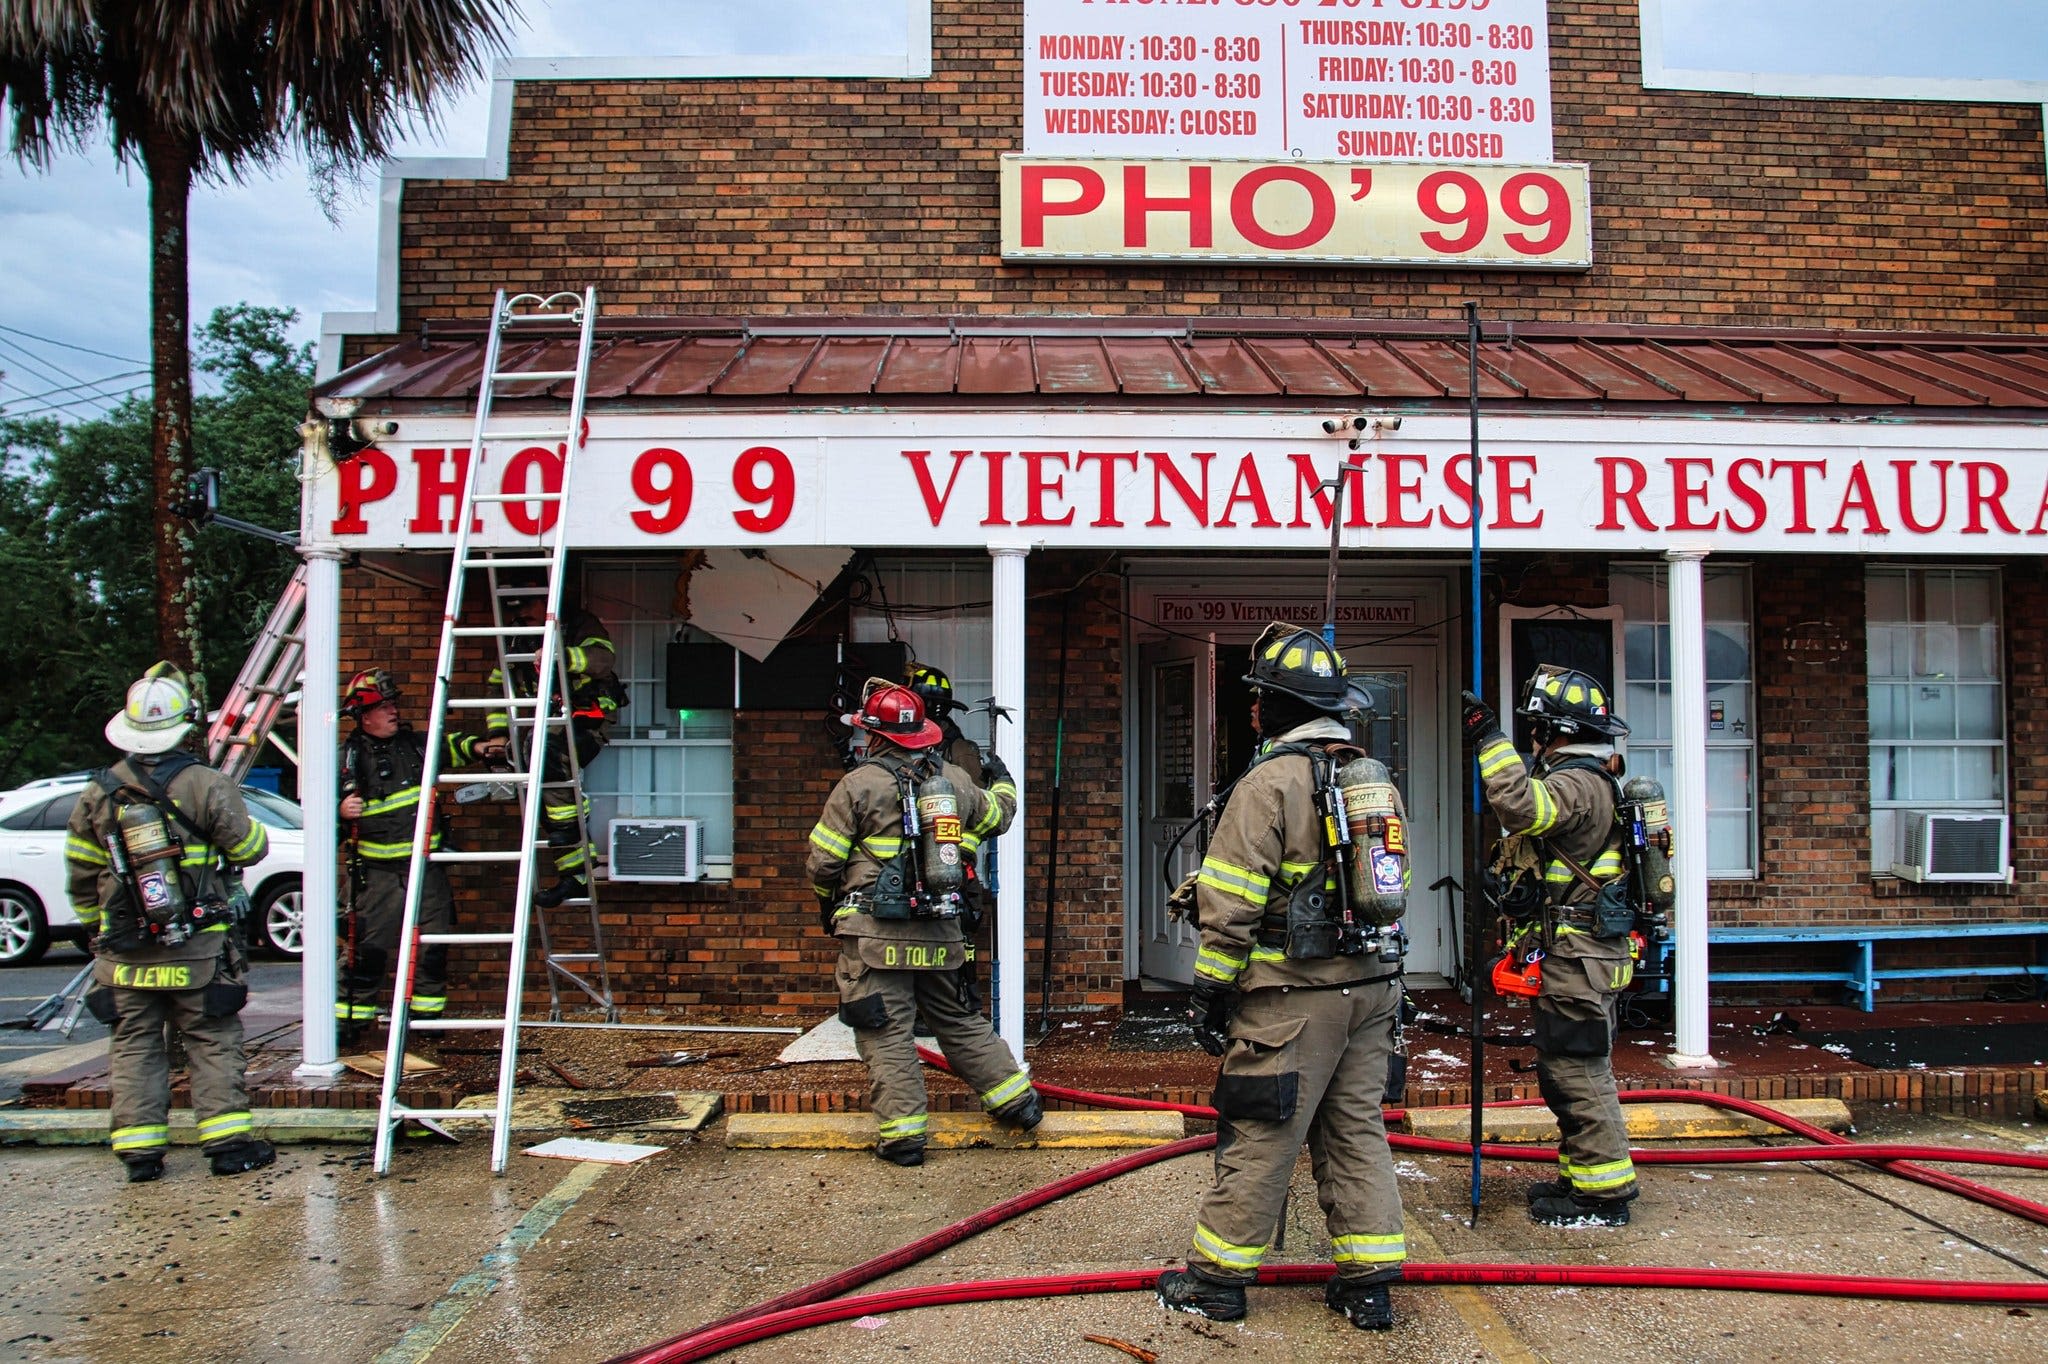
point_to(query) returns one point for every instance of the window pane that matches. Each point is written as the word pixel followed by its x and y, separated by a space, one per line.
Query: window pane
pixel 1885 658
pixel 1885 595
pixel 1977 713
pixel 1975 600
pixel 1887 712
pixel 1933 775
pixel 1728 843
pixel 1977 652
pixel 1978 774
pixel 1936 655
pixel 1884 772
pixel 1931 710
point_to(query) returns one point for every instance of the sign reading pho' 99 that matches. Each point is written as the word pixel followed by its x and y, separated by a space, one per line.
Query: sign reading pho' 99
pixel 1315 212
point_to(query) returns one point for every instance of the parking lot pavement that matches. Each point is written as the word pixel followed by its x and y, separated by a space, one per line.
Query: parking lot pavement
pixel 273 1003
pixel 316 1259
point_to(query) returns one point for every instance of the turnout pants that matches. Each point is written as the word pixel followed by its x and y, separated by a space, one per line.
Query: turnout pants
pixel 140 1067
pixel 1305 1065
pixel 1583 978
pixel 380 913
pixel 558 803
pixel 882 1005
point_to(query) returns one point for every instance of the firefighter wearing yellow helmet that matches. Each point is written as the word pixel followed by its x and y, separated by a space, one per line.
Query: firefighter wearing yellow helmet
pixel 1564 800
pixel 154 850
pixel 1300 996
pixel 886 865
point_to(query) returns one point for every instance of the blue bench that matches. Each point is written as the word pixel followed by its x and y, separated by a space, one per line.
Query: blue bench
pixel 1862 975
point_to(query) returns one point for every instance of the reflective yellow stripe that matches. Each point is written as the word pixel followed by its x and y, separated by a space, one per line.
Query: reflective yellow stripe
pixel 1610 1174
pixel 1546 808
pixel 84 852
pixel 140 1138
pixel 1269 955
pixel 1496 757
pixel 882 847
pixel 88 915
pixel 1235 881
pixel 1217 965
pixel 250 848
pixel 226 1125
pixel 831 841
pixel 912 1126
pixel 1377 1250
pixel 1009 1089
pixel 392 852
pixel 397 800
pixel 1222 1252
pixel 1004 788
pixel 429 1004
pixel 354 1013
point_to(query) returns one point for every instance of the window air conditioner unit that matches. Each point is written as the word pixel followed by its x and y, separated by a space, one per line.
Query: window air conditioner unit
pixel 668 850
pixel 1950 845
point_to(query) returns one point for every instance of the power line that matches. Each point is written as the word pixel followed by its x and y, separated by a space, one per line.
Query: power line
pixel 53 341
pixel 90 383
pixel 104 400
pixel 36 365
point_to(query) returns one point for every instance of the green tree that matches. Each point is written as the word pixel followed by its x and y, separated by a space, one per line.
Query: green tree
pixel 76 508
pixel 209 89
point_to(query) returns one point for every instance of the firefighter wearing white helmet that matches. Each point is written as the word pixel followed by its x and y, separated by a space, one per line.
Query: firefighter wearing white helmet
pixel 1564 801
pixel 154 849
pixel 1297 987
pixel 886 865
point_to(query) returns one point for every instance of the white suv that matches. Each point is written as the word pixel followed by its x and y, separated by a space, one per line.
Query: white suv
pixel 35 910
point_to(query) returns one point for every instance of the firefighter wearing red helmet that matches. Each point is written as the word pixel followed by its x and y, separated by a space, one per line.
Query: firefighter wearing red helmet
pixel 1564 802
pixel 381 763
pixel 154 851
pixel 885 864
pixel 1304 1021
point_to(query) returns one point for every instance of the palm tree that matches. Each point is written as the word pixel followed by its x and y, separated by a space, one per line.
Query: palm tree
pixel 210 89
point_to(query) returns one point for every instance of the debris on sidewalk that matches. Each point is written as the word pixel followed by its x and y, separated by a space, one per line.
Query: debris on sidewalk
pixel 586 1148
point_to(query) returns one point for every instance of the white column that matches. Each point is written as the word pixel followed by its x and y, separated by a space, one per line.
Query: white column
pixel 317 798
pixel 1691 1044
pixel 1007 622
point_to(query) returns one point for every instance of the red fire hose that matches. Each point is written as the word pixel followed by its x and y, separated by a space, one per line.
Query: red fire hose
pixel 818 1304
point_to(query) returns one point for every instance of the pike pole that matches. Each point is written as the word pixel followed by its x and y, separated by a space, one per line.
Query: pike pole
pixel 1472 920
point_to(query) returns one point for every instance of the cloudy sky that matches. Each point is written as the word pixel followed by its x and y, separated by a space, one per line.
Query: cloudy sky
pixel 74 241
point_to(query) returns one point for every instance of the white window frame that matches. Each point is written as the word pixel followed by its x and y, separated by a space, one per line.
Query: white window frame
pixel 1885 812
pixel 648 732
pixel 1650 756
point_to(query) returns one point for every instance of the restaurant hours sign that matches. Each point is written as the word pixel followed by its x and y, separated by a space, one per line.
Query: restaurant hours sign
pixel 1229 130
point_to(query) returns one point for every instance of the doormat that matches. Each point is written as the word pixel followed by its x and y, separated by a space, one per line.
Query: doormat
pixel 1991 1044
pixel 1152 1027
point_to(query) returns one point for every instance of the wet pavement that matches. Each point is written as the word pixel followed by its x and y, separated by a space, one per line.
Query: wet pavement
pixel 317 1259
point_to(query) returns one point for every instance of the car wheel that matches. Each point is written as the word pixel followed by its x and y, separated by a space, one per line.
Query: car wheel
pixel 24 930
pixel 278 923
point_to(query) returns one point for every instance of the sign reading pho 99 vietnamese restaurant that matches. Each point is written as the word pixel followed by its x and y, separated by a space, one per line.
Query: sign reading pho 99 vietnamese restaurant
pixel 1154 481
pixel 1297 131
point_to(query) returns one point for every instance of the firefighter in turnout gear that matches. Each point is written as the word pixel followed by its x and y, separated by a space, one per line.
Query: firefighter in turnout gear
pixel 935 689
pixel 380 766
pixel 1298 989
pixel 885 865
pixel 595 696
pixel 154 851
pixel 1564 802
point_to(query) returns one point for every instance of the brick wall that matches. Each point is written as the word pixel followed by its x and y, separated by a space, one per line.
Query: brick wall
pixel 791 196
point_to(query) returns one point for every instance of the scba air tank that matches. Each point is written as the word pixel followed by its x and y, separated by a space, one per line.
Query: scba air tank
pixel 153 857
pixel 938 815
pixel 1652 837
pixel 1379 841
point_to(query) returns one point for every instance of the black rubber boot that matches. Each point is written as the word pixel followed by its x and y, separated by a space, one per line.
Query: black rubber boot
pixel 1022 1113
pixel 143 1169
pixel 1189 1290
pixel 240 1157
pixel 567 888
pixel 1575 1211
pixel 907 1153
pixel 1368 1306
pixel 1548 1188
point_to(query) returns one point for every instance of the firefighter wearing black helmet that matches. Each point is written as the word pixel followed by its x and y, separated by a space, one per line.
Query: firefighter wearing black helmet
pixel 901 950
pixel 381 763
pixel 1564 801
pixel 935 689
pixel 1306 1042
pixel 595 698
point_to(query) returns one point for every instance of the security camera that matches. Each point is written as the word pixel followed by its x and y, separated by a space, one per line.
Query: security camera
pixel 378 430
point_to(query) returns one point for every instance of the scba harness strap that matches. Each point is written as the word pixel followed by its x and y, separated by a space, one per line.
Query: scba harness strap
pixel 1312 925
pixel 1615 906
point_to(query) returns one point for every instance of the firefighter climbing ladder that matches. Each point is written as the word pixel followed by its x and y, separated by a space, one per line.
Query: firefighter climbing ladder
pixel 518 365
pixel 269 675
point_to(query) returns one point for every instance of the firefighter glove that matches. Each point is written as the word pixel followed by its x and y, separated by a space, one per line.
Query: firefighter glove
pixel 1481 724
pixel 1210 1004
pixel 994 770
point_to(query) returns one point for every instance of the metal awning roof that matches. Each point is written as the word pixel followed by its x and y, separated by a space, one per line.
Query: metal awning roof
pixel 1076 361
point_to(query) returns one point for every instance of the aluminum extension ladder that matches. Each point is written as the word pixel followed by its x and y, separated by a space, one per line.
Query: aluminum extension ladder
pixel 270 674
pixel 517 364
